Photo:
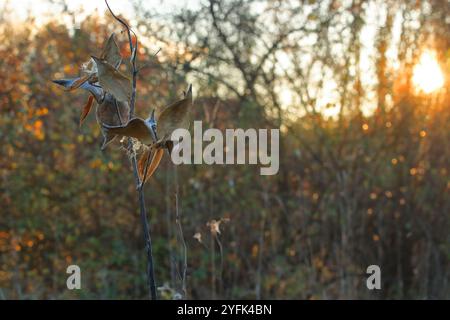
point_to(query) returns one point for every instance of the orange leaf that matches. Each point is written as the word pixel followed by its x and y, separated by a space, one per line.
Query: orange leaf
pixel 86 109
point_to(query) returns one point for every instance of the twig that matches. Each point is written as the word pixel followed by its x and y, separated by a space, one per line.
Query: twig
pixel 219 244
pixel 261 248
pixel 139 185
pixel 180 229
pixel 213 267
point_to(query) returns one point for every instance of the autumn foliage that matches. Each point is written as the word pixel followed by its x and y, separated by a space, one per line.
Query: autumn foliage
pixel 353 190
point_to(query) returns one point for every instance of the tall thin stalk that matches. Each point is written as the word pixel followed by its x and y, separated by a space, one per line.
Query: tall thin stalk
pixel 181 236
pixel 139 185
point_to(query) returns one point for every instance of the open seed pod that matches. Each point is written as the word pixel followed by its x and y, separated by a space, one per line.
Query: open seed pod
pixel 136 128
pixel 113 81
pixel 111 52
pixel 111 112
pixel 89 80
pixel 174 116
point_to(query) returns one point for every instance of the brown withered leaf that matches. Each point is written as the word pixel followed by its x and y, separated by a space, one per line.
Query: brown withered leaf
pixel 87 107
pixel 175 116
pixel 136 128
pixel 111 112
pixel 111 52
pixel 112 81
pixel 146 168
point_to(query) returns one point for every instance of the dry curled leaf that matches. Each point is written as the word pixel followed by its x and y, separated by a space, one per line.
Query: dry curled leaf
pixel 175 116
pixel 86 109
pixel 111 52
pixel 112 81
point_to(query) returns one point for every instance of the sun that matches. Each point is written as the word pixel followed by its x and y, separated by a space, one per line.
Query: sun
pixel 427 74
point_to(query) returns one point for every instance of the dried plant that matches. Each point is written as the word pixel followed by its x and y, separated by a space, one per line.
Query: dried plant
pixel 115 94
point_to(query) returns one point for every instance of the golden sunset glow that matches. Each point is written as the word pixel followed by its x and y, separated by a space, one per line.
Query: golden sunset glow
pixel 427 74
